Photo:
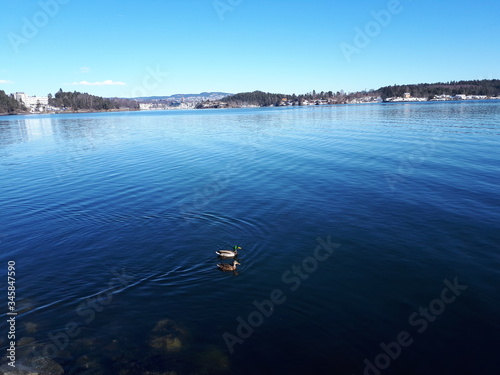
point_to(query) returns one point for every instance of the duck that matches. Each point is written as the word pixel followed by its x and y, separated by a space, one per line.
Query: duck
pixel 228 253
pixel 228 267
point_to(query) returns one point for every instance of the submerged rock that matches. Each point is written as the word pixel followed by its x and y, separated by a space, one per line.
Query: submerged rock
pixel 29 348
pixel 168 336
pixel 168 326
pixel 87 366
pixel 25 341
pixel 34 366
pixel 171 344
pixel 212 361
pixel 46 366
pixel 31 327
pixel 87 362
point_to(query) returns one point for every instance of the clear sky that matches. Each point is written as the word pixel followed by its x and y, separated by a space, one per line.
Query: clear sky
pixel 162 47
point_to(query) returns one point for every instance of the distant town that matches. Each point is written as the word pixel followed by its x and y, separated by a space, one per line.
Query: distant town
pixel 179 101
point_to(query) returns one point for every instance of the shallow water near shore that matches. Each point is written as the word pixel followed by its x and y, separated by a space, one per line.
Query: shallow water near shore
pixel 354 220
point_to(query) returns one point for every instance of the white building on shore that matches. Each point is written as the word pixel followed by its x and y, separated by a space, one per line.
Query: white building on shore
pixel 33 103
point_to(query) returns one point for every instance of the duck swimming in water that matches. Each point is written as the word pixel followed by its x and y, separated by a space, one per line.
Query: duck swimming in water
pixel 228 253
pixel 228 267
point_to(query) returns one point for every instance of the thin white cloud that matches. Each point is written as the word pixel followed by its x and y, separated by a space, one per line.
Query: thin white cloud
pixel 103 83
pixel 5 81
pixel 84 69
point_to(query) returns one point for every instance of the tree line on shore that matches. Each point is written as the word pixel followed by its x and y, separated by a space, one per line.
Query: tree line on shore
pixel 10 105
pixel 489 88
pixel 82 101
pixel 72 101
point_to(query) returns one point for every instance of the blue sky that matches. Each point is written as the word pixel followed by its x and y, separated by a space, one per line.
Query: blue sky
pixel 162 47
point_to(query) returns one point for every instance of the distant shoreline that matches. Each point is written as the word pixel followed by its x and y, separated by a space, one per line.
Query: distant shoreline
pixel 68 112
pixel 240 107
pixel 355 103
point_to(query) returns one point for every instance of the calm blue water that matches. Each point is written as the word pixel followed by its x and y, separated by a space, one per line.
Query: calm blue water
pixel 113 221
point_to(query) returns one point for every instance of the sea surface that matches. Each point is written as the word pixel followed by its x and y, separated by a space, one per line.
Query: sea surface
pixel 370 240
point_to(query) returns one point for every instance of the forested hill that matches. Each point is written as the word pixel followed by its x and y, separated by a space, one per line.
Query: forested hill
pixel 266 99
pixel 83 101
pixel 488 87
pixel 9 105
pixel 260 98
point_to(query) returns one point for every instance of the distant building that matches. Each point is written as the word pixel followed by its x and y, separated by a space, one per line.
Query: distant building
pixel 442 97
pixel 21 97
pixel 407 95
pixel 33 103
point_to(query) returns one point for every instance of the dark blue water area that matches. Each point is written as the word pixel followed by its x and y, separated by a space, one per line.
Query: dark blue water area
pixel 369 238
